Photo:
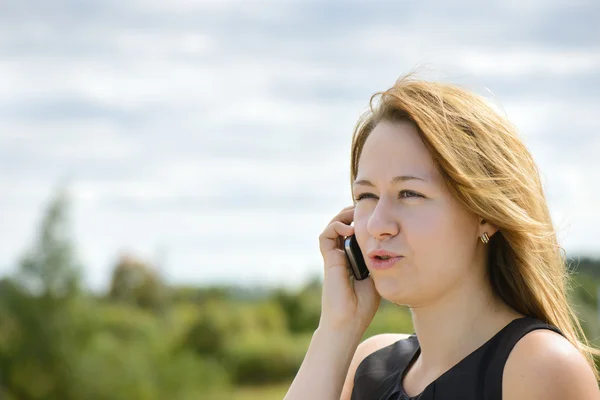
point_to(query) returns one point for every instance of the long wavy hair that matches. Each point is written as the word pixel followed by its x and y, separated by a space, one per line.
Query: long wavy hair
pixel 492 174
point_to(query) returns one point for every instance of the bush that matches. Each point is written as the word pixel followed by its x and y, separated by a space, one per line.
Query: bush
pixel 115 369
pixel 260 359
pixel 186 375
pixel 220 321
pixel 302 311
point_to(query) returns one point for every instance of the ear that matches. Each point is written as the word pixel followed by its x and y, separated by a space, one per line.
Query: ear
pixel 487 227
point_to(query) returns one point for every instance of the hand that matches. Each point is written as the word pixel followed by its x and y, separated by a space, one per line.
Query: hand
pixel 345 302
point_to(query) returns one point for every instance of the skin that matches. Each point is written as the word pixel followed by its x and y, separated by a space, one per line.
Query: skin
pixel 441 278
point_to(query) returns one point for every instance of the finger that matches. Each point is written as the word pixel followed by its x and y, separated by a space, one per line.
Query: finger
pixel 333 235
pixel 346 216
pixel 337 229
pixel 343 210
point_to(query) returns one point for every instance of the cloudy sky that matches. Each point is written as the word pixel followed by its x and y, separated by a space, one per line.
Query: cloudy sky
pixel 213 137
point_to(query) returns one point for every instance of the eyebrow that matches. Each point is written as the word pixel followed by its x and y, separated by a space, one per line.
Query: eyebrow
pixel 402 178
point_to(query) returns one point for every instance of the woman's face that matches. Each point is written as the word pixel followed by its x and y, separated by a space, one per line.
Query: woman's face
pixel 418 218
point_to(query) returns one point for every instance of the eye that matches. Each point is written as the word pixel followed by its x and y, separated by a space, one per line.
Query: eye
pixel 409 193
pixel 364 196
pixel 404 194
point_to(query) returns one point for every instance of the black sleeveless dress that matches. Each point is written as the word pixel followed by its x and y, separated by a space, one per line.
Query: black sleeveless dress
pixel 478 376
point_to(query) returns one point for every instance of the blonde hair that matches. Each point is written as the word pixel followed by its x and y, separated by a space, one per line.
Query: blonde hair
pixel 492 174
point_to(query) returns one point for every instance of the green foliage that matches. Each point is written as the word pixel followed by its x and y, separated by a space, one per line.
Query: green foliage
pixel 116 369
pixel 588 266
pixel 254 358
pixel 48 268
pixel 584 298
pixel 585 289
pixel 207 336
pixel 390 318
pixel 40 337
pixel 135 282
pixel 303 309
pixel 263 392
pixel 40 342
pixel 220 320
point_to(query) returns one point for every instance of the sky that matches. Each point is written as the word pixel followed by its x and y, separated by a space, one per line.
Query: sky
pixel 212 138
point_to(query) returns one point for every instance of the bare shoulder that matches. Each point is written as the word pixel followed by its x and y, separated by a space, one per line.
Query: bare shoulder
pixel 545 365
pixel 376 342
pixel 366 347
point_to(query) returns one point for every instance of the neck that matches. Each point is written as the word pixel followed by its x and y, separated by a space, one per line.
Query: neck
pixel 457 324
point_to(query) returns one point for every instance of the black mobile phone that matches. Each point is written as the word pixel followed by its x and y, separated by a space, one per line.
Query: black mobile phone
pixel 355 258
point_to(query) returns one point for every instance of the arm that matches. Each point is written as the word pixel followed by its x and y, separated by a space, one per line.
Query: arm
pixel 321 375
pixel 347 308
pixel 546 366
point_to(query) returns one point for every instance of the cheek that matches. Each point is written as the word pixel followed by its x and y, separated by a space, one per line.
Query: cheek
pixel 432 239
pixel 426 228
pixel 361 216
pixel 361 219
pixel 440 241
pixel 446 230
pixel 424 224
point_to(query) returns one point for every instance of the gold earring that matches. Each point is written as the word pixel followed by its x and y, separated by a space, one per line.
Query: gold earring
pixel 485 238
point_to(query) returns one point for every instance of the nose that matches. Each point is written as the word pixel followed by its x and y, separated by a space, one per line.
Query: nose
pixel 382 224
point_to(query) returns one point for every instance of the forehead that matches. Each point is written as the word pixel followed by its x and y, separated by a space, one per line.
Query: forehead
pixel 395 148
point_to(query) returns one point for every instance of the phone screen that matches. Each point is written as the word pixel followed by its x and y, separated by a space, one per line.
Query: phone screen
pixel 355 258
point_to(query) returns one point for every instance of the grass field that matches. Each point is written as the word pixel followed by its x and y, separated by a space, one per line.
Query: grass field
pixel 268 392
pixel 271 392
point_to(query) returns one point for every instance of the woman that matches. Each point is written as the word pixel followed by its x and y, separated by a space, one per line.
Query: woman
pixel 445 190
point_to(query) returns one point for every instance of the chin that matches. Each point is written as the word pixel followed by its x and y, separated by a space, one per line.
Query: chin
pixel 391 289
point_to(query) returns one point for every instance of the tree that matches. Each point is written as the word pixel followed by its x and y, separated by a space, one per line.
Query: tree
pixel 49 268
pixel 135 282
pixel 39 339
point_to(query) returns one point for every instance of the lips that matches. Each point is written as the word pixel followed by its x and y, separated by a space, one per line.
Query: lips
pixel 383 259
pixel 381 254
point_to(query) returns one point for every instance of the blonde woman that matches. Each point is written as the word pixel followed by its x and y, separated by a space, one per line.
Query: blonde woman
pixel 452 220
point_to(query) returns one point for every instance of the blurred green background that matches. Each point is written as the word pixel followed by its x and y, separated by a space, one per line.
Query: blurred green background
pixel 145 340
